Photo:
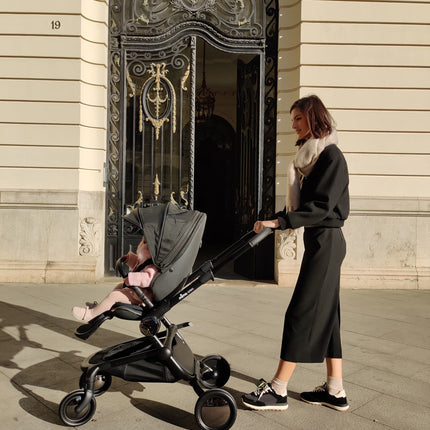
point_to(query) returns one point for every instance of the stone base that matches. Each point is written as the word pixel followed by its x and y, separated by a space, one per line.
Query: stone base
pixel 50 272
pixel 51 236
pixel 382 278
pixel 405 279
pixel 285 274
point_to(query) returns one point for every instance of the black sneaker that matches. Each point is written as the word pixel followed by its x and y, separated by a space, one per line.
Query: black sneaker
pixel 321 396
pixel 265 398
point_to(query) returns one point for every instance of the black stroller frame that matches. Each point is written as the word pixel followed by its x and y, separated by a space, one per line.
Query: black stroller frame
pixel 159 356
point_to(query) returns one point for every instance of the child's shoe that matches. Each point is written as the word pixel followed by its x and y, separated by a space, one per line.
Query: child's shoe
pixel 80 313
pixel 91 305
pixel 321 396
pixel 265 398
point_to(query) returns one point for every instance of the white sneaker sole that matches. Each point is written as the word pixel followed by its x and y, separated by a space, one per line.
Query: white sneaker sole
pixel 266 408
pixel 329 405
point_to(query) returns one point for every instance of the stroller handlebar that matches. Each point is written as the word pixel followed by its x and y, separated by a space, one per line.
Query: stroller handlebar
pixel 247 241
pixel 260 236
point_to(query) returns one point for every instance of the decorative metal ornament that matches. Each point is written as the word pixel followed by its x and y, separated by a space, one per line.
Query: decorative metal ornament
pixel 184 201
pixel 156 184
pixel 159 98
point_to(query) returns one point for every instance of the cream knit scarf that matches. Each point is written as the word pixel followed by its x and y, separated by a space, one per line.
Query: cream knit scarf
pixel 302 166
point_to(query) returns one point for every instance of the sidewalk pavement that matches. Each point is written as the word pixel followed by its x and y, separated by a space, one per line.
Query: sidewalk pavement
pixel 386 342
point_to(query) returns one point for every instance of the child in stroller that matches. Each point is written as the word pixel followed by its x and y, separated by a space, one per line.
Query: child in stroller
pixel 173 237
pixel 142 274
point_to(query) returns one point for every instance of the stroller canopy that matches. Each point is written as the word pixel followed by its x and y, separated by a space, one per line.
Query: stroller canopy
pixel 168 231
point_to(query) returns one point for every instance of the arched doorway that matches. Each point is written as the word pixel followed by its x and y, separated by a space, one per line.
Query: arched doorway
pixel 152 157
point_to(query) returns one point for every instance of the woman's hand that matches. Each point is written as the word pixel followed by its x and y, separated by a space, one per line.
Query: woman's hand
pixel 259 226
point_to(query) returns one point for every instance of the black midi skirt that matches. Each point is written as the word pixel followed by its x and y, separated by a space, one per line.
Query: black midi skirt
pixel 312 321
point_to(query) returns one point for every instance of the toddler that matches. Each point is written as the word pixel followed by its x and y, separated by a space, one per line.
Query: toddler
pixel 119 293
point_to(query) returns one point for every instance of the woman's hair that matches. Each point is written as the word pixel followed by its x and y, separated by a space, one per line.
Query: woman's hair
pixel 319 119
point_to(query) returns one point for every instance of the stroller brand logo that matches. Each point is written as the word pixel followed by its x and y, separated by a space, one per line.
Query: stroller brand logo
pixel 183 295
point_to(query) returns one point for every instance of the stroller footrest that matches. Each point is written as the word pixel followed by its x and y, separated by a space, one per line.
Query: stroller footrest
pixel 129 312
pixel 84 331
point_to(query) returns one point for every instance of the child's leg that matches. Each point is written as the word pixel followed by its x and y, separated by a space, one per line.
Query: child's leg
pixel 118 294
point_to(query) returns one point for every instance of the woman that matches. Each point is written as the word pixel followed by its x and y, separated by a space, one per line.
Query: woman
pixel 318 199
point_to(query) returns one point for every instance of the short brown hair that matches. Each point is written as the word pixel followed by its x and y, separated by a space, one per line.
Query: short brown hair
pixel 319 119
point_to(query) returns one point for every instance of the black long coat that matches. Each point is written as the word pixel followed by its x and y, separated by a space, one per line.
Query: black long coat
pixel 312 321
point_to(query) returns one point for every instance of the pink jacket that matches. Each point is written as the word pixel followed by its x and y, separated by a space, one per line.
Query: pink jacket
pixel 143 278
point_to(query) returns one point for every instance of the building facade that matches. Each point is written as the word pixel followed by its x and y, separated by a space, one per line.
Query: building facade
pixel 368 61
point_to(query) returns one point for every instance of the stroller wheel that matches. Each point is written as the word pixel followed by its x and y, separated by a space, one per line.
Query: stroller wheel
pixel 102 382
pixel 215 410
pixel 215 371
pixel 68 413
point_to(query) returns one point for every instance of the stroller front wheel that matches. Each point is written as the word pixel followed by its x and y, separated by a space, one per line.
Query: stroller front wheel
pixel 215 410
pixel 68 409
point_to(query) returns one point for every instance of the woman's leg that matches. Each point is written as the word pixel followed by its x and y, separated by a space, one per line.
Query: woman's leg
pixel 285 370
pixel 283 374
pixel 334 367
pixel 334 376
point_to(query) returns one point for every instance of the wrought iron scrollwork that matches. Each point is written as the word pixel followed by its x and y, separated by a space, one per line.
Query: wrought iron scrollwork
pixel 233 18
pixel 113 155
pixel 270 108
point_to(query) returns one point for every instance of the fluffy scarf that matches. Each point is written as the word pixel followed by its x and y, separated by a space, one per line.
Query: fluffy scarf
pixel 302 166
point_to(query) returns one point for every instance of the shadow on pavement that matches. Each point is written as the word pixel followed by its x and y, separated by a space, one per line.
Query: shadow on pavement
pixel 60 371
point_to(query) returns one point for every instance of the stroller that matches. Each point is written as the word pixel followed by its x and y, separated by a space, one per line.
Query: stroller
pixel 174 237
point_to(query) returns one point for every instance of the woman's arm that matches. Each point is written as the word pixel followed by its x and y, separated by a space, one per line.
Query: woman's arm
pixel 259 226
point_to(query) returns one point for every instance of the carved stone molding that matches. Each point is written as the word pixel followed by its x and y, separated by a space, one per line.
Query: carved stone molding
pixel 89 237
pixel 287 245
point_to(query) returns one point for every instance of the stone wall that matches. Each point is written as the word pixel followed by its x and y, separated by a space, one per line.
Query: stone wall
pixel 52 140
pixel 369 62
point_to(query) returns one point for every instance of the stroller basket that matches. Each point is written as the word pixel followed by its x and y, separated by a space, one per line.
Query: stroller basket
pixel 139 360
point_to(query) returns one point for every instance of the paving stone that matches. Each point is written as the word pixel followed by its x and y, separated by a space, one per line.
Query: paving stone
pixel 386 345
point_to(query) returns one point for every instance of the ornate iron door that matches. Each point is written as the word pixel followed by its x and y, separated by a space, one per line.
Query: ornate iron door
pixel 256 263
pixel 156 100
pixel 248 163
pixel 151 131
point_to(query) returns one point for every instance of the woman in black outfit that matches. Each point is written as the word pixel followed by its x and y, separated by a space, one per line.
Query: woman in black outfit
pixel 318 200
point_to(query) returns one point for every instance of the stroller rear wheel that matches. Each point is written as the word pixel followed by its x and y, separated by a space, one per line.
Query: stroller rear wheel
pixel 102 382
pixel 68 409
pixel 215 410
pixel 215 371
